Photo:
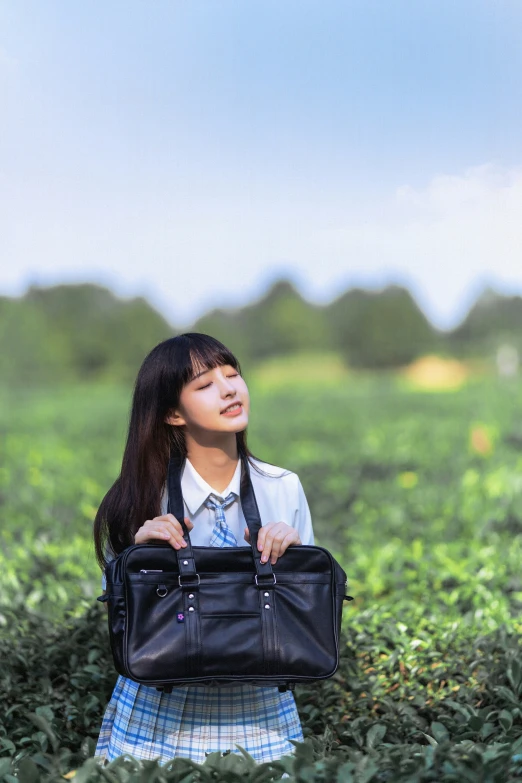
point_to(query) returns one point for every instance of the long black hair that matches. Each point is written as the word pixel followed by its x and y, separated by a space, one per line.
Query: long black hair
pixel 135 496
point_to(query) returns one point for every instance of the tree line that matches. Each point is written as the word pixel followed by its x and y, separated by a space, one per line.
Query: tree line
pixel 84 332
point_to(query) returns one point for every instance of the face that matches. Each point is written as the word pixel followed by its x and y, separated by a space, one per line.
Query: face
pixel 214 401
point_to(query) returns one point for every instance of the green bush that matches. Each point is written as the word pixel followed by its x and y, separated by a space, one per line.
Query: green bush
pixel 424 514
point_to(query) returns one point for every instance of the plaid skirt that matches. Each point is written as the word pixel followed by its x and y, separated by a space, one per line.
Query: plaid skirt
pixel 196 720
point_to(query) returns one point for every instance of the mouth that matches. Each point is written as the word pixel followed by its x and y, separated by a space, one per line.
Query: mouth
pixel 234 408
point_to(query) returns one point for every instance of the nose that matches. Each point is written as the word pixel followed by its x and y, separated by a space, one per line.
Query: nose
pixel 227 387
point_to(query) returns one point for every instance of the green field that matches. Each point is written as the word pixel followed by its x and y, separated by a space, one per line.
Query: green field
pixel 419 495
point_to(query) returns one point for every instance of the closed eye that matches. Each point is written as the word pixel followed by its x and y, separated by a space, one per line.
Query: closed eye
pixel 233 375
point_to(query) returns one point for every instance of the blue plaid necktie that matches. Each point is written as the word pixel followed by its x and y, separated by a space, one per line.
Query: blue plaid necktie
pixel 221 535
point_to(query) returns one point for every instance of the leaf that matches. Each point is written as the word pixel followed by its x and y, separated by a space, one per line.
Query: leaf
pixel 46 712
pixel 213 760
pixel 433 742
pixel 28 771
pixel 91 770
pixel 42 761
pixel 466 710
pixel 44 726
pixel 88 747
pixel 7 745
pixel 234 764
pixel 487 730
pixel 514 672
pixel 251 762
pixel 375 735
pixel 41 738
pixel 439 731
pixel 304 752
pixel 267 771
pixel 366 769
pixel 475 723
pixel 345 773
pixel 506 720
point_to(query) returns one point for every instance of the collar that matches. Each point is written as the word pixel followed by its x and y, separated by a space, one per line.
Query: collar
pixel 195 489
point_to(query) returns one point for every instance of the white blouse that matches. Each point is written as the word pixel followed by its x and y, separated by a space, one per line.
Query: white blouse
pixel 280 498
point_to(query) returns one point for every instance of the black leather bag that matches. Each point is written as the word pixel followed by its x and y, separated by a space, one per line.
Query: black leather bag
pixel 215 616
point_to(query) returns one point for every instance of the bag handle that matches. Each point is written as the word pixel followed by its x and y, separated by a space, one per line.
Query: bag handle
pixel 189 578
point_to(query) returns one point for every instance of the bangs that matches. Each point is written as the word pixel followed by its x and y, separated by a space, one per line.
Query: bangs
pixel 205 353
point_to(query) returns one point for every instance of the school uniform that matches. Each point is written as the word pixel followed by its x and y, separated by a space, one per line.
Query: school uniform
pixel 193 721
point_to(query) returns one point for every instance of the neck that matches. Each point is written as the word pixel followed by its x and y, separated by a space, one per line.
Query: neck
pixel 215 463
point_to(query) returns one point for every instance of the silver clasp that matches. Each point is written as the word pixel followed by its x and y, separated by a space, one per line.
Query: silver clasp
pixel 273 583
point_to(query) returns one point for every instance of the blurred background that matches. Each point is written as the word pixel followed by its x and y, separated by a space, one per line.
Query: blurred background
pixel 334 190
pixel 297 177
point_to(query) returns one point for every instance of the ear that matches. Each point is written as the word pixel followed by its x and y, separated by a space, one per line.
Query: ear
pixel 175 418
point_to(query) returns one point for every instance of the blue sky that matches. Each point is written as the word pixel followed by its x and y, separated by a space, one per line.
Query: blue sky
pixel 195 151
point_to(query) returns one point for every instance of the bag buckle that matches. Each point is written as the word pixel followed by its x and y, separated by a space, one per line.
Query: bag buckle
pixel 188 584
pixel 263 585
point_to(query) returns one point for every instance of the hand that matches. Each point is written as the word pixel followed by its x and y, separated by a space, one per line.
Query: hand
pixel 166 528
pixel 274 539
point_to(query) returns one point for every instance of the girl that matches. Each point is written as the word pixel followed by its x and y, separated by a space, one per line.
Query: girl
pixel 190 397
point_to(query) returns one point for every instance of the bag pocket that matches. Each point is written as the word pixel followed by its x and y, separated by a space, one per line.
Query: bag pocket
pixel 155 642
pixel 231 644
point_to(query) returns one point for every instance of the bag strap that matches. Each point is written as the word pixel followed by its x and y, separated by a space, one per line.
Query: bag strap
pixel 189 579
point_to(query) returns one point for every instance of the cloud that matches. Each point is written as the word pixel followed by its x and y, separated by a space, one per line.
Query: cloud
pixel 445 238
pixel 447 193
